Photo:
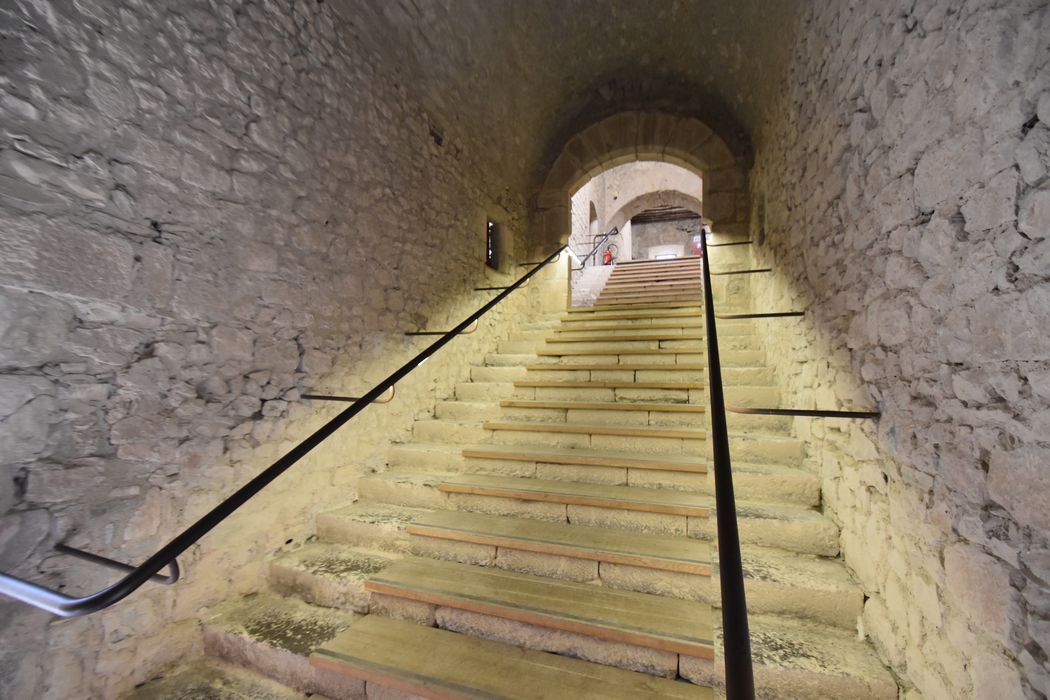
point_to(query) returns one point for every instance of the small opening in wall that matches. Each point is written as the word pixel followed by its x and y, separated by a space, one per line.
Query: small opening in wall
pixel 289 541
pixel 492 244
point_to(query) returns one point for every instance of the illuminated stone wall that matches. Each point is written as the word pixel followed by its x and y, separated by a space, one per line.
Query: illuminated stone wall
pixel 901 192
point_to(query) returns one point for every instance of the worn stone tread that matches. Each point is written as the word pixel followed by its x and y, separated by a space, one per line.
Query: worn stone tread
pixel 605 405
pixel 331 575
pixel 597 495
pixel 798 659
pixel 577 315
pixel 442 665
pixel 624 430
pixel 274 636
pixel 651 621
pixel 613 367
pixel 608 385
pixel 581 327
pixel 214 680
pixel 582 457
pixel 623 338
pixel 666 305
pixel 662 552
pixel 698 350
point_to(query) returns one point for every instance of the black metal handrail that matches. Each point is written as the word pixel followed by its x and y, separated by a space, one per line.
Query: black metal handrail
pixel 723 245
pixel 768 314
pixel 614 231
pixel 72 606
pixel 802 412
pixel 743 272
pixel 736 640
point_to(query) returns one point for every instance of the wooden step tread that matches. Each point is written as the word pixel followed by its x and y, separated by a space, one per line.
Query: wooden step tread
pixel 578 317
pixel 626 327
pixel 624 338
pixel 436 663
pixel 622 430
pixel 634 618
pixel 698 350
pixel 589 458
pixel 685 366
pixel 637 303
pixel 581 494
pixel 608 385
pixel 668 305
pixel 683 259
pixel 605 405
pixel 662 552
pixel 651 283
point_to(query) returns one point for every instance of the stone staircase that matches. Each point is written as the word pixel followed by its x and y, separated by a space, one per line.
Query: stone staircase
pixel 549 533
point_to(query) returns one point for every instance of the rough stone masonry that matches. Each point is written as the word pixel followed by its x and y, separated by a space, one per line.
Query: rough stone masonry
pixel 205 209
pixel 901 188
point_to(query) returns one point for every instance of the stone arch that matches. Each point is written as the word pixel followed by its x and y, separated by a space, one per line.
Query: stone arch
pixel 660 198
pixel 632 136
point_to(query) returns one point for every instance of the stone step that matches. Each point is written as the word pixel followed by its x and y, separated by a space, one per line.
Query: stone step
pixel 466 410
pixel 594 545
pixel 484 391
pixel 497 374
pixel 777 581
pixel 275 636
pixel 328 575
pixel 694 352
pixel 215 680
pixel 644 407
pixel 635 301
pixel 588 458
pixel 679 392
pixel 449 432
pixel 630 320
pixel 616 328
pixel 624 336
pixel 656 309
pixel 599 436
pixel 799 659
pixel 553 430
pixel 538 334
pixel 369 525
pixel 519 347
pixel 637 631
pixel 435 663
pixel 789 527
pixel 770 483
pixel 576 494
pixel 609 413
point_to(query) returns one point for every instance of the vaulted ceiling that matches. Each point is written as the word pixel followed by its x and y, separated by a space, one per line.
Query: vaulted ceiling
pixel 515 79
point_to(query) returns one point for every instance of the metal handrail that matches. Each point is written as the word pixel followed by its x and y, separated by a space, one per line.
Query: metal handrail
pixel 614 231
pixel 736 640
pixel 72 606
pixel 768 314
pixel 743 272
pixel 802 412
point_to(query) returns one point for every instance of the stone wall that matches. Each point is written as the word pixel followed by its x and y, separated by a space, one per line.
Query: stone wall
pixel 678 234
pixel 901 192
pixel 205 210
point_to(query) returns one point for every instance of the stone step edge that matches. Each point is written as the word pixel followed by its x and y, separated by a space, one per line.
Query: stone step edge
pixel 574 623
pixel 443 679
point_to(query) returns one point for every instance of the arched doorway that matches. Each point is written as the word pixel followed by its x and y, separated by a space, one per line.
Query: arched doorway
pixel 635 136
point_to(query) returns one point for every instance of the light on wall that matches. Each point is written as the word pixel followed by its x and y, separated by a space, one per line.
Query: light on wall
pixel 666 256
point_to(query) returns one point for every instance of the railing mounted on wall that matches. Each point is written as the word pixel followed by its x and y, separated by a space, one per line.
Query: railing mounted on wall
pixel 72 606
pixel 598 241
pixel 736 639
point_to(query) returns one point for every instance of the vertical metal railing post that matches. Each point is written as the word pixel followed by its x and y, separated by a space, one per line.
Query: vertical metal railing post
pixel 736 640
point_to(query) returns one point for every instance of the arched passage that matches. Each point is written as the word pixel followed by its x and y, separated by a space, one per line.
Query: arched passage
pixel 633 136
pixel 651 200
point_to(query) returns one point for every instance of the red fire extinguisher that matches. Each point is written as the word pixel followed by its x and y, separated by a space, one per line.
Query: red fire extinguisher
pixel 607 257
